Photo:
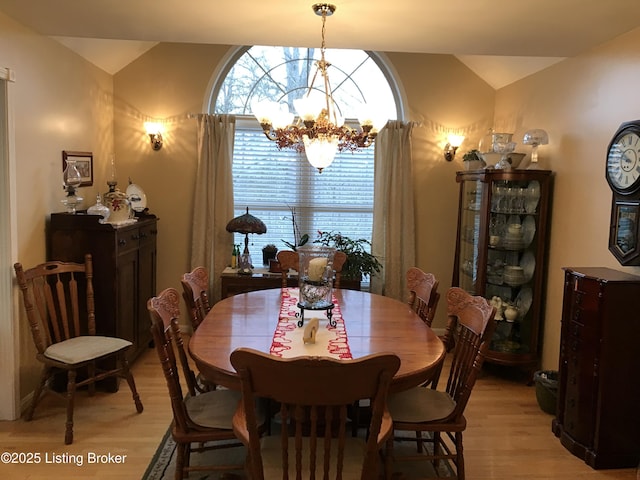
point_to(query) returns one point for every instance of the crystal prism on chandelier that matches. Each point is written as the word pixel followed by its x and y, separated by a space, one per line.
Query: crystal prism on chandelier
pixel 318 129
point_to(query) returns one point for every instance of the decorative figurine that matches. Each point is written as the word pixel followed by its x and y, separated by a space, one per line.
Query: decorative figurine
pixel 310 331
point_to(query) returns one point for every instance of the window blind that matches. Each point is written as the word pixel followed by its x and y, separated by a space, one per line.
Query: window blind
pixel 272 182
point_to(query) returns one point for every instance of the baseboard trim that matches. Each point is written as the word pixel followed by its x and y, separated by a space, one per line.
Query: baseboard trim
pixel 25 402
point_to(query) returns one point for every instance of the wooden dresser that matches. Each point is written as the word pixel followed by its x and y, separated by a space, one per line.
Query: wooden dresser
pixel 124 264
pixel 598 411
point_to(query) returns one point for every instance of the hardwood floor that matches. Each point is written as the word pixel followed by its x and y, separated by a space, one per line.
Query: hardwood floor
pixel 508 437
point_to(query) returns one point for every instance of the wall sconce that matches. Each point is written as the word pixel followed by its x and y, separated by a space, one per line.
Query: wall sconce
pixel 535 137
pixel 454 141
pixel 154 130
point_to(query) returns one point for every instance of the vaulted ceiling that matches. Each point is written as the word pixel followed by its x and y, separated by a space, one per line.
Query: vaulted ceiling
pixel 501 40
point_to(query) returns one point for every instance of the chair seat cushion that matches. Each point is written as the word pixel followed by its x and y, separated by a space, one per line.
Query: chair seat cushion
pixel 215 409
pixel 84 348
pixel 420 404
pixel 271 451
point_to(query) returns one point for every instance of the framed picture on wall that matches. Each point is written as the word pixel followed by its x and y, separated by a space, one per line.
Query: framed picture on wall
pixel 84 163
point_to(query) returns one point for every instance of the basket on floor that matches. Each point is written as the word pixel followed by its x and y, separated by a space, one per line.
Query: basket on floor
pixel 547 390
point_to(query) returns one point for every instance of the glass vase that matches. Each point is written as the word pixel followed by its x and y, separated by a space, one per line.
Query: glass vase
pixel 71 175
pixel 71 179
pixel 99 209
pixel 315 276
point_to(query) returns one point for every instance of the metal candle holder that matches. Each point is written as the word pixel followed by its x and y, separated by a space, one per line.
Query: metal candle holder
pixel 329 309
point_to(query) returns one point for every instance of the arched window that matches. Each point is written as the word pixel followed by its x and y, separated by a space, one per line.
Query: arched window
pixel 274 183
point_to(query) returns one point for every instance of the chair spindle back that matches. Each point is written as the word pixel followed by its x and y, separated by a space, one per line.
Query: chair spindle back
pixel 56 296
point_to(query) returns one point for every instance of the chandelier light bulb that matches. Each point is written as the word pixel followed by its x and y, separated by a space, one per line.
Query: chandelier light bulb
pixel 369 117
pixel 308 108
pixel 320 150
pixel 282 117
pixel 264 111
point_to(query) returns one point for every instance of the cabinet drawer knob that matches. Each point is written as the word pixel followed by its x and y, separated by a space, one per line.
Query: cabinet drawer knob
pixel 122 242
pixel 135 237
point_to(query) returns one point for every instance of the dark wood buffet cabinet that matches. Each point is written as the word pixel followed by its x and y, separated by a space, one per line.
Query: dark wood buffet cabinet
pixel 598 410
pixel 124 264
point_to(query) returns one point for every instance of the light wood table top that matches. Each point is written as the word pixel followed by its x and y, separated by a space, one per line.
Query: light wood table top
pixel 374 324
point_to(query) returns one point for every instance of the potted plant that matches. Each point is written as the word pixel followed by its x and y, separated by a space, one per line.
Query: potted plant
pixel 359 261
pixel 473 160
pixel 298 240
pixel 269 253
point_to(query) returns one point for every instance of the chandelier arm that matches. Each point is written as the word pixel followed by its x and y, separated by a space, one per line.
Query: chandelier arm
pixel 331 114
pixel 268 131
pixel 313 81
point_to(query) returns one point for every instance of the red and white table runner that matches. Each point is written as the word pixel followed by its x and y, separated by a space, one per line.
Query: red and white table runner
pixel 288 337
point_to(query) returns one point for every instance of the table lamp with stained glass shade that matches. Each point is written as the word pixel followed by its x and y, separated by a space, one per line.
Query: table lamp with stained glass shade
pixel 246 224
pixel 71 180
pixel 535 137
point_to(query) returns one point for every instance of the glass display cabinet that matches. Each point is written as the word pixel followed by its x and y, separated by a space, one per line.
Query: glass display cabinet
pixel 501 255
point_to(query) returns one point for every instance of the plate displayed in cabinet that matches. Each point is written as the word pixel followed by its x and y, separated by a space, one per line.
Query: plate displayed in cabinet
pixel 532 196
pixel 524 301
pixel 528 264
pixel 528 230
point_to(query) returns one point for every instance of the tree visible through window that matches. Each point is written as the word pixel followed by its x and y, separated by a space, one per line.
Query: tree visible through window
pixel 272 182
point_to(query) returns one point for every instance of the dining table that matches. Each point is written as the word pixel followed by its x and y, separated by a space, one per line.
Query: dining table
pixel 373 323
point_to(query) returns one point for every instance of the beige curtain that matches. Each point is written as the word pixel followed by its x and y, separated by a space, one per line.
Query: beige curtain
pixel 393 239
pixel 211 244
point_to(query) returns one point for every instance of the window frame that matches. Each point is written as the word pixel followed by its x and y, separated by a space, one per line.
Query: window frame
pixel 248 122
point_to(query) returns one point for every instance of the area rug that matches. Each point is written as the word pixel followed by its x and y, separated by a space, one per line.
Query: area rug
pixel 162 466
pixel 163 463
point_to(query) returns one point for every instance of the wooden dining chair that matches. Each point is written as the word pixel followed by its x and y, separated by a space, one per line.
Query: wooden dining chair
pixel 339 259
pixel 201 421
pixel 288 260
pixel 441 413
pixel 195 287
pixel 59 301
pixel 315 394
pixel 423 293
pixel 423 299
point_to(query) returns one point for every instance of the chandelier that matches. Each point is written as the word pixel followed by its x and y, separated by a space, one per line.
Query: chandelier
pixel 318 129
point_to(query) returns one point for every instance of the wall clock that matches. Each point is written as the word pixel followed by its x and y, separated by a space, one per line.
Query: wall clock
pixel 623 176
